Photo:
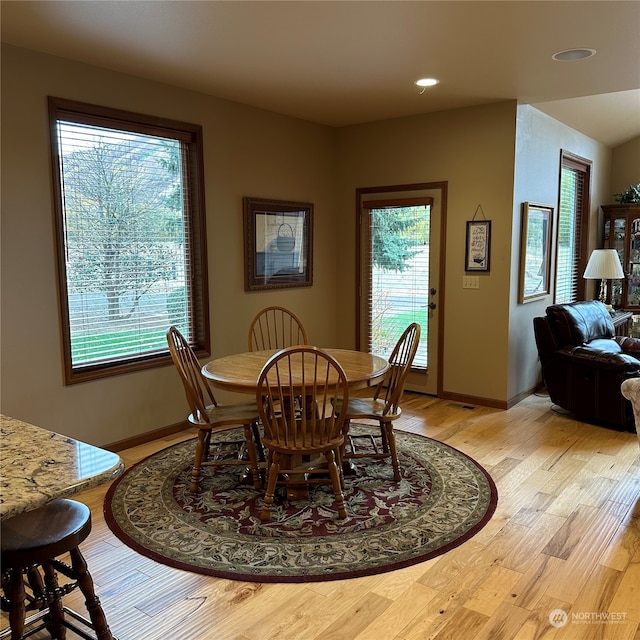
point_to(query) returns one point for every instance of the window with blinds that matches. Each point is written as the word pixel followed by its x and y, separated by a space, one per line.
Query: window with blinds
pixel 572 235
pixel 398 273
pixel 129 219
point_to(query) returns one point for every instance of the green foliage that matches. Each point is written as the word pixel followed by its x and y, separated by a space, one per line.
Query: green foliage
pixel 390 325
pixel 396 233
pixel 629 196
pixel 117 343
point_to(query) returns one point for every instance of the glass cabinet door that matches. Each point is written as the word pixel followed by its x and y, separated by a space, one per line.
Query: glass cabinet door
pixel 622 233
pixel 625 239
pixel 632 268
pixel 617 239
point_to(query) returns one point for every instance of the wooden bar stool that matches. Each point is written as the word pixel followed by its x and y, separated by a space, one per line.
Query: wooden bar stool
pixel 31 543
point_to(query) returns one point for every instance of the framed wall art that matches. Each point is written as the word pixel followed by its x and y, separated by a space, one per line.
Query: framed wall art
pixel 478 246
pixel 278 244
pixel 535 251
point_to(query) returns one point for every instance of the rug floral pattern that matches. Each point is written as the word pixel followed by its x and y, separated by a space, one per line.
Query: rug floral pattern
pixel 442 500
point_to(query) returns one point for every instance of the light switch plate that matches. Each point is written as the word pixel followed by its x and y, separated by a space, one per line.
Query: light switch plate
pixel 470 282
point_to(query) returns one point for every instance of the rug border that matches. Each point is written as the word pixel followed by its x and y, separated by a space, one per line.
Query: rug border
pixel 344 575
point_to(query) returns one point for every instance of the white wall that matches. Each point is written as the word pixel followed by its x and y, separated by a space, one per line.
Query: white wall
pixel 539 141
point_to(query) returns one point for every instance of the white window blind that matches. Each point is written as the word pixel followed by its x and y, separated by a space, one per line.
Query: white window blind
pixel 127 238
pixel 398 286
pixel 569 264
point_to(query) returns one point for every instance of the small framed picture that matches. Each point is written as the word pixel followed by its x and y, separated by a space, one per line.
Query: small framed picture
pixel 535 251
pixel 477 251
pixel 278 244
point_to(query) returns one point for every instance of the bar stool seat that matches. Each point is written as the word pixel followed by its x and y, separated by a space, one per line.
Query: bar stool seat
pixel 31 543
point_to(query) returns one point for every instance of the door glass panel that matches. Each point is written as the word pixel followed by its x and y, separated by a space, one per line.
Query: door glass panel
pixel 399 277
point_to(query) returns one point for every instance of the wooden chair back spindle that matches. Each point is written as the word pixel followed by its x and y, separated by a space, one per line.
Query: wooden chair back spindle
pixel 199 393
pixel 276 328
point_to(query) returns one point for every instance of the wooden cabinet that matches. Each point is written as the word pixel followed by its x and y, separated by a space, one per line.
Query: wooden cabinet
pixel 622 322
pixel 622 232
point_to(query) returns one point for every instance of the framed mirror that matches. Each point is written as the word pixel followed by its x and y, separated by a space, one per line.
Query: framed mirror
pixel 278 244
pixel 535 251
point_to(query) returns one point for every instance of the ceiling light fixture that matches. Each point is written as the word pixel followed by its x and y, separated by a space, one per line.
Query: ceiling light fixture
pixel 568 55
pixel 426 82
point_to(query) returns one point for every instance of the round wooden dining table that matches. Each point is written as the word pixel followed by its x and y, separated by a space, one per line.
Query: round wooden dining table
pixel 240 372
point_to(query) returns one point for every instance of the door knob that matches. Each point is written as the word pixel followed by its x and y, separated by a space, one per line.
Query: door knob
pixel 432 305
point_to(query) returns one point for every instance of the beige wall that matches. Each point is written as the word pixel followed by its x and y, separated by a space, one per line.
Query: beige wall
pixel 489 353
pixel 247 152
pixel 473 150
pixel 498 156
pixel 625 168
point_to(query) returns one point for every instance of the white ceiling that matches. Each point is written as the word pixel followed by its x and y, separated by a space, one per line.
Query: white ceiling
pixel 347 62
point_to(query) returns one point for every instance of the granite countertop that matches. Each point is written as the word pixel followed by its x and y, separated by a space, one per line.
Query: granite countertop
pixel 38 466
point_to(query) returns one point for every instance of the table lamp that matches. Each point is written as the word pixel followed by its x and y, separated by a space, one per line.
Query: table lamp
pixel 604 264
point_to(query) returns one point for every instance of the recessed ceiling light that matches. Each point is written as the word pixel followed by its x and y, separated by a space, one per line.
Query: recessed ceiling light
pixel 573 54
pixel 427 82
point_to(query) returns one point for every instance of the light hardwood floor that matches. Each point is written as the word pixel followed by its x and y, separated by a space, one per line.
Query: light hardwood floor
pixel 565 535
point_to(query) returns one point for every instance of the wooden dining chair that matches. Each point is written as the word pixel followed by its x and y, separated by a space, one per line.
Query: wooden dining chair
pixel 384 406
pixel 302 443
pixel 210 417
pixel 276 328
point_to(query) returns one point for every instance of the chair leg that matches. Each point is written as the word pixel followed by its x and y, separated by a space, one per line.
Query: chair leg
pixel 202 447
pixel 258 440
pixel 345 432
pixel 272 478
pixel 85 583
pixel 385 440
pixel 334 472
pixel 13 588
pixel 207 444
pixel 38 599
pixel 253 458
pixel 56 625
pixel 387 428
pixel 36 583
pixel 340 464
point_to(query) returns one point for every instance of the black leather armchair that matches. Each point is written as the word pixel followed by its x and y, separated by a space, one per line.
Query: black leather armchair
pixel 584 362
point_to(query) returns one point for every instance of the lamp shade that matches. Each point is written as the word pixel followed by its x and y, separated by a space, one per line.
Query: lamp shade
pixel 604 264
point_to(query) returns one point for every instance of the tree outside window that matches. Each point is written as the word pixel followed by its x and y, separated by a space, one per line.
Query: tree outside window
pixel 398 276
pixel 130 223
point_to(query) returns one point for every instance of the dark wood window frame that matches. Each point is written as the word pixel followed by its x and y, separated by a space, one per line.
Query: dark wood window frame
pixel 192 185
pixel 581 250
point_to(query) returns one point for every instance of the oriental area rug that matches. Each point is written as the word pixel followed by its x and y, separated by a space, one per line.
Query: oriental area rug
pixel 442 500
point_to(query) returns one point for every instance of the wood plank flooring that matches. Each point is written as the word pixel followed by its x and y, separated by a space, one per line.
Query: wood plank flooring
pixel 565 538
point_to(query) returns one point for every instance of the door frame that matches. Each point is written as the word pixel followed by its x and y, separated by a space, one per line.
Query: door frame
pixel 442 187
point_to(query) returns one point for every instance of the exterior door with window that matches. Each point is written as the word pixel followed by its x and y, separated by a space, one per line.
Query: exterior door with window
pixel 399 274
